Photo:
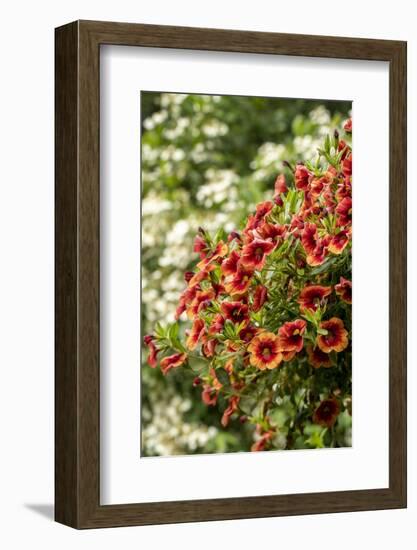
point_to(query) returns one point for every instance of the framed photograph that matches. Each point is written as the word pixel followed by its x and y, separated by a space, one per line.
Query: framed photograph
pixel 230 287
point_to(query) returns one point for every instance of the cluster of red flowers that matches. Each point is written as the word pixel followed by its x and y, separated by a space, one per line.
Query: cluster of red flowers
pixel 276 293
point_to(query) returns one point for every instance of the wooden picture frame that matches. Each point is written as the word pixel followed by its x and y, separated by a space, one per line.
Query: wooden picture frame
pixel 77 403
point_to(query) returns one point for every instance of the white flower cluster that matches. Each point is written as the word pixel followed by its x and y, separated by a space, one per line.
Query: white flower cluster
pixel 306 147
pixel 219 187
pixel 169 100
pixel 215 128
pixel 320 116
pixel 157 118
pixel 165 433
pixel 267 161
pixel 153 205
pixel 178 130
pixel 199 153
pixel 160 294
pixel 168 160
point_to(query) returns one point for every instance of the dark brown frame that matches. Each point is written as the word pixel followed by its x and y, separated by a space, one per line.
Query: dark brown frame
pixel 77 374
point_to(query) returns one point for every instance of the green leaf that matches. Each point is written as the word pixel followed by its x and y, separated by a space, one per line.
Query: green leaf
pixel 198 366
pixel 327 144
pixel 324 267
pixel 160 331
pixel 247 404
pixel 220 235
pixel 173 331
pixel 222 376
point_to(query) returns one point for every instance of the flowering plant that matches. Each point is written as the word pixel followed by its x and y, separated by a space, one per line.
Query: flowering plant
pixel 270 310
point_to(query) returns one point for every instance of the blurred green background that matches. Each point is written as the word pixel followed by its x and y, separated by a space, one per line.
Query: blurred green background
pixel 206 161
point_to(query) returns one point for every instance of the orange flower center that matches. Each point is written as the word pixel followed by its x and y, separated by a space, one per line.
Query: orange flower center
pixel 296 332
pixel 259 251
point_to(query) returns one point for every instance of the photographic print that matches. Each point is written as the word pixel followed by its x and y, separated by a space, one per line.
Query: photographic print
pixel 203 274
pixel 246 272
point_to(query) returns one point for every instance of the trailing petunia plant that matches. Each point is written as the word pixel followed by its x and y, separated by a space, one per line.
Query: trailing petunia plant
pixel 269 310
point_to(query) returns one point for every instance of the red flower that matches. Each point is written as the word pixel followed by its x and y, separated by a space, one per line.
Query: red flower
pixel 339 242
pixel 309 238
pixel 317 185
pixel 318 257
pixel 308 207
pixel 280 185
pixel 344 211
pixel 320 253
pixel 278 201
pixel 329 199
pixel 342 146
pixel 196 333
pixel 327 412
pixel 229 265
pixel 296 226
pixel 347 165
pixel 198 277
pixel 216 325
pixel 153 350
pixel 264 351
pixel 336 338
pixel 247 333
pixel 251 224
pixel 344 189
pixel 237 312
pixel 263 208
pixel 219 251
pixel 200 246
pixel 186 297
pixel 318 358
pixel 291 335
pixel 211 391
pixel 274 232
pixel 228 367
pixel 232 407
pixel 260 297
pixel 254 254
pixel 315 248
pixel 215 381
pixel 218 289
pixel 240 283
pixel 234 235
pixel 208 346
pixel 209 395
pixel 262 442
pixel 344 290
pixel 173 361
pixel 301 176
pixel 347 127
pixel 201 300
pixel 311 297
